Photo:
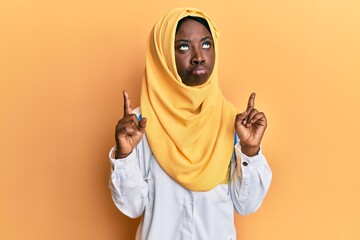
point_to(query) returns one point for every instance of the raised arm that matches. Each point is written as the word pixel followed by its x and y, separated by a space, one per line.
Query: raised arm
pixel 129 189
pixel 251 172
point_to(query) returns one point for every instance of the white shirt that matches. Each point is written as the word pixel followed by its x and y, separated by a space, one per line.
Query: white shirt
pixel 140 187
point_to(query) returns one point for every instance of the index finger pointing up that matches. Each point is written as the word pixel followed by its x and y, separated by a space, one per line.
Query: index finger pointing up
pixel 251 102
pixel 127 106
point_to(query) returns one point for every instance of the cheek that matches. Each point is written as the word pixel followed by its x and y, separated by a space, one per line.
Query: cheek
pixel 211 60
pixel 180 64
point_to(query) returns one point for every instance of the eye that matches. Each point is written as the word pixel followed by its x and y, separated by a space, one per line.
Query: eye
pixel 184 47
pixel 206 45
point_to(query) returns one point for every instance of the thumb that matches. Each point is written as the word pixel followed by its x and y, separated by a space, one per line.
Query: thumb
pixel 241 116
pixel 142 125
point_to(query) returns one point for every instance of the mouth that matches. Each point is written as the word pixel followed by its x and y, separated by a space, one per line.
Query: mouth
pixel 199 71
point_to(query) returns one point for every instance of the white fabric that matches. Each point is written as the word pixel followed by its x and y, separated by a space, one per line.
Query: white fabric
pixel 140 187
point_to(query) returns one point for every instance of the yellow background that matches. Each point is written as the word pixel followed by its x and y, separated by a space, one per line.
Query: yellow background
pixel 64 65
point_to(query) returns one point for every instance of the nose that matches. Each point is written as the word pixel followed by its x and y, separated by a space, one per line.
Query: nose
pixel 198 57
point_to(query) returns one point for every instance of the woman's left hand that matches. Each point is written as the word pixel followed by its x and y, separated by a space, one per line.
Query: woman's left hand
pixel 250 127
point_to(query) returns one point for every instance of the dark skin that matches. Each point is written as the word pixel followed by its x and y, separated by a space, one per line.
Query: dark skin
pixel 195 57
pixel 194 53
pixel 128 131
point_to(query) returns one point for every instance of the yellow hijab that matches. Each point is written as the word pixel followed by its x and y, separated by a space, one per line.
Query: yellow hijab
pixel 190 129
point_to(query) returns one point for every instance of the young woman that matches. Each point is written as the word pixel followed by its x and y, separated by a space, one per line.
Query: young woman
pixel 187 159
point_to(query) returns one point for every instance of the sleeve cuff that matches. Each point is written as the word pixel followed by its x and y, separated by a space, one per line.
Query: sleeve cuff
pixel 122 164
pixel 247 161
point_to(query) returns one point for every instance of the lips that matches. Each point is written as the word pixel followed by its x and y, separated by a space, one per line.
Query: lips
pixel 200 70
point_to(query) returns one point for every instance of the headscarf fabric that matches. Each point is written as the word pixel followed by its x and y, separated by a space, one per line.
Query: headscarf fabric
pixel 190 130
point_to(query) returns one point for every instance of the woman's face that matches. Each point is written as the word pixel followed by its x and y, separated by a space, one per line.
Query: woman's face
pixel 194 53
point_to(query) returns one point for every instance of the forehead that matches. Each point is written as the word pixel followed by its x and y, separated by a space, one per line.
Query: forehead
pixel 191 27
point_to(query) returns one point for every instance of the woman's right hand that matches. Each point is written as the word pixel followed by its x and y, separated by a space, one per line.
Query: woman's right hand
pixel 129 130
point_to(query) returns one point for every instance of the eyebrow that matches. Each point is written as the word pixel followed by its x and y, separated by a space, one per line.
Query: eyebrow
pixel 185 40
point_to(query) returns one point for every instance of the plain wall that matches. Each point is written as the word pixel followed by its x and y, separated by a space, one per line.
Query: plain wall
pixel 64 64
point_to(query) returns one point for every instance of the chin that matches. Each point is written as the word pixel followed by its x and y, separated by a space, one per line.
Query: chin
pixel 197 81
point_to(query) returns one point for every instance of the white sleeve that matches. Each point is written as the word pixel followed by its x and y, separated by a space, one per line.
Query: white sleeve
pixel 250 181
pixel 128 187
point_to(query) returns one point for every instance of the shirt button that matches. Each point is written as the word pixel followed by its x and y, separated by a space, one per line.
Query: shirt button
pixel 245 164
